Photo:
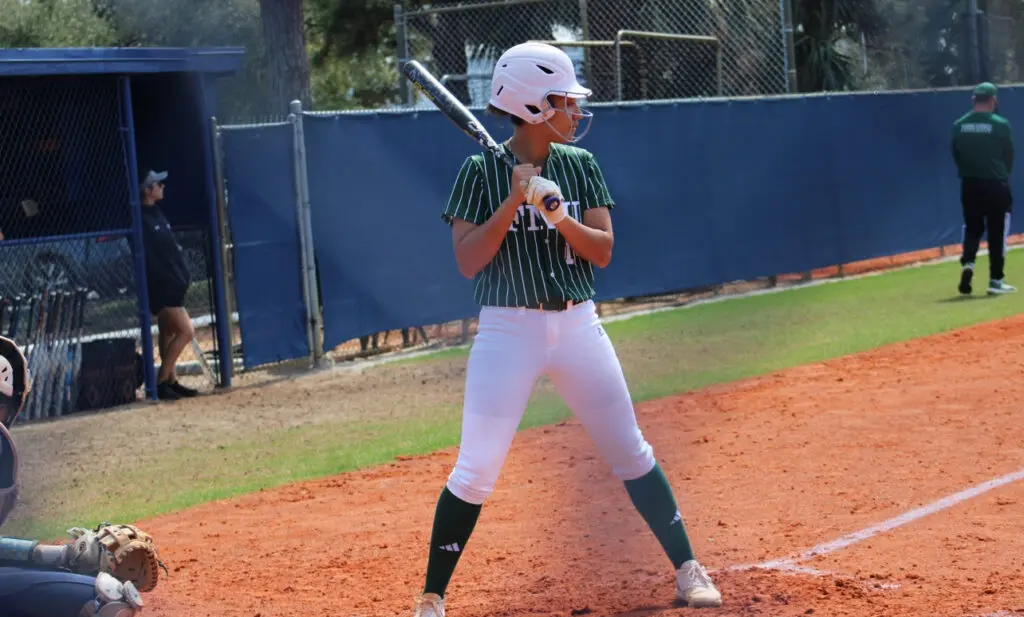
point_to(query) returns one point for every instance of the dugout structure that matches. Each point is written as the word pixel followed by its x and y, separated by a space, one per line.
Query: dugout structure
pixel 78 128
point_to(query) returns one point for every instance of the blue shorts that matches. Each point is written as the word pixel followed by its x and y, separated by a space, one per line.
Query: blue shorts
pixel 25 592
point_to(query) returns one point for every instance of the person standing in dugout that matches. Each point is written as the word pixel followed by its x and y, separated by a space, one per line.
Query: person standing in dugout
pixel 531 238
pixel 983 152
pixel 168 280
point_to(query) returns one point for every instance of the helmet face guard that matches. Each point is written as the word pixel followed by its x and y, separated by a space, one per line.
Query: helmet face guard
pixel 575 116
pixel 14 381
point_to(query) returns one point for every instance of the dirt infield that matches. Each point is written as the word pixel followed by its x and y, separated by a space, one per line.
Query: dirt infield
pixel 764 470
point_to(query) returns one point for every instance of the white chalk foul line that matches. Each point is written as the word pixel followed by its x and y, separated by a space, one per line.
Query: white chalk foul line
pixel 789 564
pixel 798 570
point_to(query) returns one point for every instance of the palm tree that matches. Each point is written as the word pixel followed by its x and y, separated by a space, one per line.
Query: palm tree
pixel 826 41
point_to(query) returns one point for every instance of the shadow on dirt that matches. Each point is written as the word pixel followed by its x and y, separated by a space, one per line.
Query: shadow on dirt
pixel 648 611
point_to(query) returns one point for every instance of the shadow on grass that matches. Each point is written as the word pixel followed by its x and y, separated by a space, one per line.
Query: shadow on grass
pixel 954 299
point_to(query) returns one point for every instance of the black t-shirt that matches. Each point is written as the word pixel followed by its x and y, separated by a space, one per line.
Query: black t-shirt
pixel 165 262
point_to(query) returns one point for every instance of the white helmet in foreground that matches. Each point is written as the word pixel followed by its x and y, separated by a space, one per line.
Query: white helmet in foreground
pixel 527 74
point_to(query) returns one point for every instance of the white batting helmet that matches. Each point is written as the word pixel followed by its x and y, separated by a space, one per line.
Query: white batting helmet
pixel 525 75
pixel 15 383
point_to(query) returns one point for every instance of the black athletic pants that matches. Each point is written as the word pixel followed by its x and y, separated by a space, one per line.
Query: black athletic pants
pixel 987 205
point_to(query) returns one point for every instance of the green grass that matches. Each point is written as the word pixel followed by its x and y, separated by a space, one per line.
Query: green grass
pixel 449 353
pixel 663 354
pixel 679 350
pixel 742 338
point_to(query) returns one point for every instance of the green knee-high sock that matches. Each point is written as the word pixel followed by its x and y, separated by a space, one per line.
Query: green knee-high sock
pixel 653 498
pixel 454 521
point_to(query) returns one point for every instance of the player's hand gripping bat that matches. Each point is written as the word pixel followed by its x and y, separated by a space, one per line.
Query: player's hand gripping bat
pixel 460 115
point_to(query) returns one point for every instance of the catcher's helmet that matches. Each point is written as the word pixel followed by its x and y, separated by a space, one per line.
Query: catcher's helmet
pixel 14 381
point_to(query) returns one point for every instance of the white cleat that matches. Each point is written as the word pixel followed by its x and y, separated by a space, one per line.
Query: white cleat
pixel 694 587
pixel 429 605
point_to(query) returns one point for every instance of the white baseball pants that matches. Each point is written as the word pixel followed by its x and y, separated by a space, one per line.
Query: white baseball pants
pixel 515 346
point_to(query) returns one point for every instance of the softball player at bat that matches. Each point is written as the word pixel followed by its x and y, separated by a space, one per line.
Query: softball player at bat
pixel 534 279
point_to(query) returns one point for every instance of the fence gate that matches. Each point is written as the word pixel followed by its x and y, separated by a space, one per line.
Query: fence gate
pixel 259 174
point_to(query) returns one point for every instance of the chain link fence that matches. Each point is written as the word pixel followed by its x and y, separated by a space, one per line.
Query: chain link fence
pixel 66 261
pixel 930 44
pixel 623 49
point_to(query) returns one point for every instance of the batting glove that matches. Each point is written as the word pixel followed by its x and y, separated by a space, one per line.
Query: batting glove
pixel 538 190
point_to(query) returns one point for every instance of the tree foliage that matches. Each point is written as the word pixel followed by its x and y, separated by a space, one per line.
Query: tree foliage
pixel 827 39
pixel 53 23
pixel 352 50
pixel 198 23
pixel 351 46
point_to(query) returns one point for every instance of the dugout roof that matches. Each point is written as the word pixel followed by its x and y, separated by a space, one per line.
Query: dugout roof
pixel 122 61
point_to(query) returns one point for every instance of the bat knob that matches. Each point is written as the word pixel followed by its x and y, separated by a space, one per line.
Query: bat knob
pixel 551 203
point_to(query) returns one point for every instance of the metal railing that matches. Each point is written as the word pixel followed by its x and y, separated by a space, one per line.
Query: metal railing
pixel 693 50
pixel 587 45
pixel 666 36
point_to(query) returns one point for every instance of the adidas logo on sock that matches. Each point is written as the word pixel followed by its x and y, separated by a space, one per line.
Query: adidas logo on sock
pixel 451 548
pixel 675 519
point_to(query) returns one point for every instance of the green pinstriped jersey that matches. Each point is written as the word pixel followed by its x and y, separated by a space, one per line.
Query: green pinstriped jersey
pixel 534 263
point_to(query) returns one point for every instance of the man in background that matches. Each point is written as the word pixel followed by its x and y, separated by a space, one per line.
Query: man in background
pixel 983 152
pixel 168 281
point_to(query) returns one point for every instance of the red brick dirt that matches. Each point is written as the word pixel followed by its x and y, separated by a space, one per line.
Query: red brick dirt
pixel 763 469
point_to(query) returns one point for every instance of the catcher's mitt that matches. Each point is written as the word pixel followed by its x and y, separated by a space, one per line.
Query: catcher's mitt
pixel 124 551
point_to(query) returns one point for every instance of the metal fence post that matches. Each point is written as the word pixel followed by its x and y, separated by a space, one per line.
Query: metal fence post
pixel 588 71
pixel 974 51
pixel 402 40
pixel 124 89
pixel 225 238
pixel 789 55
pixel 314 324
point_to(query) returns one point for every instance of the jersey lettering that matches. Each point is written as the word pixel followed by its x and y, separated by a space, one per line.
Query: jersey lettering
pixel 983 146
pixel 534 263
pixel 975 127
pixel 537 219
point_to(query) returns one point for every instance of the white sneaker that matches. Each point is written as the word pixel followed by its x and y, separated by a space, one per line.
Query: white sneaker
pixel 429 605
pixel 694 586
pixel 999 287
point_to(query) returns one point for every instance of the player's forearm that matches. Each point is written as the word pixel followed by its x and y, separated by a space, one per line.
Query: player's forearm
pixel 477 248
pixel 594 245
